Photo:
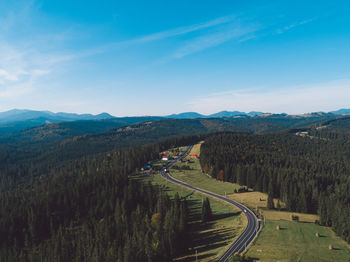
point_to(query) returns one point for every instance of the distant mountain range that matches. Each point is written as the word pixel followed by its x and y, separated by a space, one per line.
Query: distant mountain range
pixel 341 112
pixel 21 119
pixel 24 114
pixel 190 115
pixel 16 115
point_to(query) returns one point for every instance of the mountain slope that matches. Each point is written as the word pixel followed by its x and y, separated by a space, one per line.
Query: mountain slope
pixel 56 132
pixel 342 124
pixel 186 115
pixel 19 119
pixel 341 111
pixel 17 115
pixel 191 115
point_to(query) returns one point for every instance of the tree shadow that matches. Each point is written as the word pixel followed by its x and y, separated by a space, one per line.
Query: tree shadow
pixel 305 222
pixel 231 214
pixel 283 228
pixel 336 248
pixel 207 236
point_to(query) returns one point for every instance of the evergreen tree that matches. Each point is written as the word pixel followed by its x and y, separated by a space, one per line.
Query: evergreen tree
pixel 270 204
pixel 278 205
pixel 308 175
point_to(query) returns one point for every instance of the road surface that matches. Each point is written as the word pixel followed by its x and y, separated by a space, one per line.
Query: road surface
pixel 253 224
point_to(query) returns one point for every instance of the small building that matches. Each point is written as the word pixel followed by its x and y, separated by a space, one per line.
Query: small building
pixel 147 167
pixel 147 172
pixel 165 158
pixel 194 156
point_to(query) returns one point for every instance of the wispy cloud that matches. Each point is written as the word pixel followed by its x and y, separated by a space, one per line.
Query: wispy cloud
pixel 16 89
pixel 162 35
pixel 227 33
pixel 185 30
pixel 296 99
pixel 293 25
pixel 24 64
pixel 209 34
pixel 19 65
pixel 6 76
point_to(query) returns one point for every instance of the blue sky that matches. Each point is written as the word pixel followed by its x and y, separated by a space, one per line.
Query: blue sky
pixel 163 57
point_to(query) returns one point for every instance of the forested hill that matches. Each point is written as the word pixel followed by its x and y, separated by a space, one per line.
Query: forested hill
pixel 310 174
pixel 258 124
pixel 342 123
pixel 57 143
pixel 88 210
pixel 62 130
pixel 18 119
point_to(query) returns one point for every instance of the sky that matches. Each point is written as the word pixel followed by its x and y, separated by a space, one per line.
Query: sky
pixel 162 57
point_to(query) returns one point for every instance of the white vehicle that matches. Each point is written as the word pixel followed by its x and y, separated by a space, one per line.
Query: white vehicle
pixel 245 211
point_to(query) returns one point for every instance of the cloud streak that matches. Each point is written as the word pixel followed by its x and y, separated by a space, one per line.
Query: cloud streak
pixel 293 25
pixel 185 30
pixel 214 39
pixel 206 35
pixel 23 64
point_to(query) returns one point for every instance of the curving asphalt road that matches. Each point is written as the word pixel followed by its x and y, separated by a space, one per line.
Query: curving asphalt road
pixel 253 224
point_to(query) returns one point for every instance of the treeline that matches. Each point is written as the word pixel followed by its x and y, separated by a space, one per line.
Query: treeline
pixel 20 164
pixel 62 142
pixel 89 210
pixel 310 174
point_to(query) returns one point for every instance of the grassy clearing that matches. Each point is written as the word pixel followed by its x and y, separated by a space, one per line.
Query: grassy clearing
pixel 209 239
pixel 298 242
pixel 251 199
pixel 284 215
pixel 196 149
pixel 259 200
pixel 195 177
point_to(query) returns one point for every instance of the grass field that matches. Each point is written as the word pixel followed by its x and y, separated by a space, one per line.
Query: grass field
pixel 196 178
pixel 298 242
pixel 259 200
pixel 251 199
pixel 196 149
pixel 209 239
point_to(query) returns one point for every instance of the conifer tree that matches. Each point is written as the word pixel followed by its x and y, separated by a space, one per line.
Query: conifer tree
pixel 270 204
pixel 278 205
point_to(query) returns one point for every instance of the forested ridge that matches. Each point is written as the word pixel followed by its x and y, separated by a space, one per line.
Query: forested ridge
pixel 310 174
pixel 55 144
pixel 89 210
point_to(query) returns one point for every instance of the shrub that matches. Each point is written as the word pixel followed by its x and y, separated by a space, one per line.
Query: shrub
pixel 295 218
